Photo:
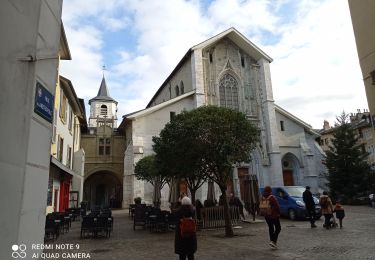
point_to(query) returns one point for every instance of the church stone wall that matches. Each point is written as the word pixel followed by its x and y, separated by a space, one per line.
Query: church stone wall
pixel 292 131
pixel 140 145
pixel 95 112
pixel 184 75
pixel 227 57
pixel 94 162
pixel 95 109
pixel 255 96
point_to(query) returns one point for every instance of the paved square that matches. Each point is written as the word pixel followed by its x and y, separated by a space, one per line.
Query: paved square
pixel 296 241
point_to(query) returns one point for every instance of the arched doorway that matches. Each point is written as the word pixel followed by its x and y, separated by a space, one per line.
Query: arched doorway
pixel 103 189
pixel 100 195
pixel 291 171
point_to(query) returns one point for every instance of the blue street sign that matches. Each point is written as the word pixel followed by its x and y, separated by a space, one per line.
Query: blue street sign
pixel 43 102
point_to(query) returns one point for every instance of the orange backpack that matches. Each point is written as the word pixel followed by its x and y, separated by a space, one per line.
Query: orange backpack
pixel 265 206
pixel 188 227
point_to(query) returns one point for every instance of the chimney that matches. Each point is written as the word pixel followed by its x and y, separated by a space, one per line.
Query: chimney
pixel 326 125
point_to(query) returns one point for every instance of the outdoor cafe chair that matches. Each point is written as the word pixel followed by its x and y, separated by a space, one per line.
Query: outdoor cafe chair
pixel 87 226
pixel 139 217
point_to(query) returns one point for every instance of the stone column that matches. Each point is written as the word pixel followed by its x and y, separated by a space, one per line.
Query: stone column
pixel 198 78
pixel 269 118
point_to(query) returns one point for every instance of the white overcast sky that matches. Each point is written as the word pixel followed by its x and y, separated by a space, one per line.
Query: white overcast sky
pixel 315 72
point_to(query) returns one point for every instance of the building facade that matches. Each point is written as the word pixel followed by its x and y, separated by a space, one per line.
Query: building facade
pixel 29 47
pixel 104 146
pixel 230 71
pixel 362 125
pixel 363 17
pixel 65 186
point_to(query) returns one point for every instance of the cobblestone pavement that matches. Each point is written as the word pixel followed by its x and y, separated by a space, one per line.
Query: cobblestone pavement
pixel 296 241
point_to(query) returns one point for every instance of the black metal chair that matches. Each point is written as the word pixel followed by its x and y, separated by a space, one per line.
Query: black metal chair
pixel 87 226
pixel 102 227
pixel 131 210
pixel 172 221
pixel 139 217
pixel 51 229
pixel 162 224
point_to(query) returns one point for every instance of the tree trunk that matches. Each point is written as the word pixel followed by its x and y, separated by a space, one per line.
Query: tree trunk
pixel 192 192
pixel 228 224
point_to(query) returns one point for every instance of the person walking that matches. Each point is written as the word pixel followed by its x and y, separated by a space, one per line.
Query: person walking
pixel 271 211
pixel 235 201
pixel 185 246
pixel 310 205
pixel 340 212
pixel 327 209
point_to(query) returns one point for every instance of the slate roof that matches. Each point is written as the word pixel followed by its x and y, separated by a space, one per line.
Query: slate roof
pixel 103 93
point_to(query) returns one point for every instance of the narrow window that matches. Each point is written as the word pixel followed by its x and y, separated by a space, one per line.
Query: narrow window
pixel 182 87
pixel 372 74
pixel 172 115
pixel 54 126
pixel 104 146
pixel 242 62
pixel 63 102
pixel 170 92
pixel 103 110
pixel 101 146
pixel 282 125
pixel 60 149
pixel 69 157
pixel 70 124
pixel 107 146
pixel 210 57
pixel 177 90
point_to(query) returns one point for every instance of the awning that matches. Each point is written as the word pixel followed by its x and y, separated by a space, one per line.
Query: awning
pixel 64 168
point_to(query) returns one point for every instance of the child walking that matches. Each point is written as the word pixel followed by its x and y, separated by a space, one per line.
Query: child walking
pixel 340 212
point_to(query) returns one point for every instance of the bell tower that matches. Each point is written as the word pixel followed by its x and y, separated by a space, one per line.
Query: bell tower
pixel 103 108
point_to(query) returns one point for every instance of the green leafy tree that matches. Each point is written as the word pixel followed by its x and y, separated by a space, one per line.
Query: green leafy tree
pixel 206 143
pixel 349 173
pixel 148 169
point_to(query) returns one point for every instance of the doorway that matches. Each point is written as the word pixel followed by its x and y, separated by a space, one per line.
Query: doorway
pixel 100 195
pixel 55 199
pixel 288 178
pixel 242 176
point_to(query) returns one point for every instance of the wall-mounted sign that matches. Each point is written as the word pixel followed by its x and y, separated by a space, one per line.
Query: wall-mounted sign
pixel 43 102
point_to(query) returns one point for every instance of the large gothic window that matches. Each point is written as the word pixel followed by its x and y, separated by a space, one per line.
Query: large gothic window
pixel 228 90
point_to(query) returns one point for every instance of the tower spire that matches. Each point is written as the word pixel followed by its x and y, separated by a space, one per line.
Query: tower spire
pixel 103 69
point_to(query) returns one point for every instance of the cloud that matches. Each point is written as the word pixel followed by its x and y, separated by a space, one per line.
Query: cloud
pixel 316 62
pixel 85 45
pixel 315 70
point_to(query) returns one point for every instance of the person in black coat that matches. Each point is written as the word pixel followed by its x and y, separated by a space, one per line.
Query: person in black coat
pixel 235 201
pixel 185 246
pixel 310 205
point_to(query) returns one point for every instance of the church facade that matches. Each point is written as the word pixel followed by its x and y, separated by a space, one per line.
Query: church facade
pixel 230 71
pixel 104 146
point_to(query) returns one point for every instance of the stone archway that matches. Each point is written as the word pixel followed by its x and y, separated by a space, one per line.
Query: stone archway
pixel 291 170
pixel 103 189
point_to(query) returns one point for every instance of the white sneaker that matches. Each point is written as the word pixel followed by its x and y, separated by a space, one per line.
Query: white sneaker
pixel 273 245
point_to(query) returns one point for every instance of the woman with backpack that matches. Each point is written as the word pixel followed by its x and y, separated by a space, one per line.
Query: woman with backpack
pixel 185 243
pixel 270 209
pixel 326 208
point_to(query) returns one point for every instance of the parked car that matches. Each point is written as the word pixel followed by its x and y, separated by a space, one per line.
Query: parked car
pixel 291 202
pixel 371 200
